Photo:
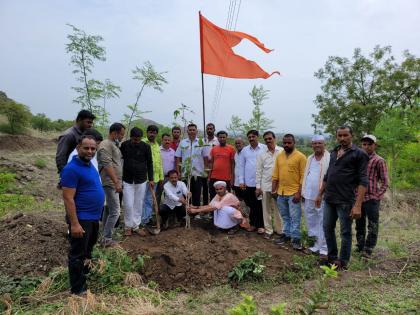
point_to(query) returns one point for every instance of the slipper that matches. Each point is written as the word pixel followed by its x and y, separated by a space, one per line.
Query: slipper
pixel 251 228
pixel 261 231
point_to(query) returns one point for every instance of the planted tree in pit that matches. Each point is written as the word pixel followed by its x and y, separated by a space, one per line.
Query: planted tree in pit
pixel 148 77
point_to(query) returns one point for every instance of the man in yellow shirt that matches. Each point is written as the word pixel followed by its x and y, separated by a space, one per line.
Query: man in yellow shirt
pixel 288 172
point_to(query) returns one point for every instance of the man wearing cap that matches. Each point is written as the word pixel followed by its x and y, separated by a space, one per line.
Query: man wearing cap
pixel 316 167
pixel 225 207
pixel 378 183
pixel 346 174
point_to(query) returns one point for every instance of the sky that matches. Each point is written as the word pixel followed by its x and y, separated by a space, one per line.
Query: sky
pixel 35 68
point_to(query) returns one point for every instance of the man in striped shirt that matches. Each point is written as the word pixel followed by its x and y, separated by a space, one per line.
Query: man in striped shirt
pixel 378 184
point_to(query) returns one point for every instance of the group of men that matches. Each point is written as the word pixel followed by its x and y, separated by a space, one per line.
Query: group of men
pixel 215 177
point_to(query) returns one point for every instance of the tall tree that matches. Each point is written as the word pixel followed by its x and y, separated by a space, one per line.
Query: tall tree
pixel 148 77
pixel 258 121
pixel 359 91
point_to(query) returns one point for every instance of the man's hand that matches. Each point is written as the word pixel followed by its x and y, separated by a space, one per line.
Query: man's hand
pixel 160 184
pixel 151 184
pixel 118 187
pixel 318 201
pixel 242 186
pixel 356 212
pixel 258 192
pixel 182 200
pixel 192 209
pixel 296 197
pixel 77 231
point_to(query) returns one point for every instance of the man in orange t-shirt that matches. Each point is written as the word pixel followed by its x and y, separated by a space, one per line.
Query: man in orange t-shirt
pixel 222 164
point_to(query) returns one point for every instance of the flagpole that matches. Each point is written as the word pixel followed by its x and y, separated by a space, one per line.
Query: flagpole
pixel 202 75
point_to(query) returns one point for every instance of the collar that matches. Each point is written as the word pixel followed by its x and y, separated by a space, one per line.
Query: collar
pixel 77 129
pixel 80 162
pixel 352 148
pixel 276 149
pixel 166 150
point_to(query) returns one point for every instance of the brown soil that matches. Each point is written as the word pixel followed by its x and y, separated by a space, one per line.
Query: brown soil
pixel 202 256
pixel 32 244
pixel 23 143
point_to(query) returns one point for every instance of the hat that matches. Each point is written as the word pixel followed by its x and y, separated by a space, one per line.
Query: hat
pixel 219 183
pixel 370 137
pixel 318 138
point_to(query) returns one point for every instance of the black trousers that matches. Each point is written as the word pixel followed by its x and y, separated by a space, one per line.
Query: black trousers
pixel 205 190
pixel 255 208
pixel 80 250
pixel 370 210
pixel 239 193
pixel 212 191
pixel 165 212
pixel 195 188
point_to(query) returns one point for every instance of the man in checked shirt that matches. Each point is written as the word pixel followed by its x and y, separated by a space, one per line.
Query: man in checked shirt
pixel 378 183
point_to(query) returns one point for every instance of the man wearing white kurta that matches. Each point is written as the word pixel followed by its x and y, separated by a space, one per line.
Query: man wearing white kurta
pixel 316 167
pixel 265 164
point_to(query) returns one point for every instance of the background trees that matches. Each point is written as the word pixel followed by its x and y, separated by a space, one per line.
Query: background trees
pixel 359 91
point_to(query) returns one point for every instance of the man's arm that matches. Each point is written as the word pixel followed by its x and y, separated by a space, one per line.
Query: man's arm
pixel 320 194
pixel 363 160
pixel 68 197
pixel 275 176
pixel 105 159
pixel 149 164
pixel 258 174
pixel 302 164
pixel 232 171
pixel 66 144
pixel 178 162
pixel 242 169
pixel 383 177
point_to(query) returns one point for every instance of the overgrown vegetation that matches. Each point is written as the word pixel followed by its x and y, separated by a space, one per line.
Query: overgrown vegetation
pixel 250 268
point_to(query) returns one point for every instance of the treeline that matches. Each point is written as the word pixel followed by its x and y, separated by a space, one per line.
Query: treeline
pixel 19 118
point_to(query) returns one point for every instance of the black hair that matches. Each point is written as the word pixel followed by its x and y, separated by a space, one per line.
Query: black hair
pixel 176 128
pixel 192 125
pixel 253 132
pixel 152 128
pixel 222 132
pixel 268 132
pixel 85 114
pixel 211 124
pixel 172 172
pixel 95 133
pixel 116 127
pixel 165 135
pixel 136 132
pixel 289 135
pixel 91 137
pixel 345 127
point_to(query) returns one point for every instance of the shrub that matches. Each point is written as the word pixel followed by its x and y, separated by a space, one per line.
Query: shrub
pixel 246 307
pixel 41 122
pixel 18 117
pixel 40 163
pixel 248 268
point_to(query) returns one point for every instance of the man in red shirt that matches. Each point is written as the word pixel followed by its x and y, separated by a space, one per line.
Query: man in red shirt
pixel 222 164
pixel 176 137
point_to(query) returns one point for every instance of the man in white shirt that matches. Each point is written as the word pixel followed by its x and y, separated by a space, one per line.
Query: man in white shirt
pixel 211 141
pixel 247 180
pixel 239 145
pixel 316 167
pixel 175 198
pixel 265 164
pixel 190 148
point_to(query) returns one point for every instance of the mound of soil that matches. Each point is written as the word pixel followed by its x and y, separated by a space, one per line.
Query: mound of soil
pixel 23 143
pixel 201 256
pixel 32 244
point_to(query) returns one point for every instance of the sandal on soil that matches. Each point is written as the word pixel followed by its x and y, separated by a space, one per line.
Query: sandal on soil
pixel 268 236
pixel 251 229
pixel 261 231
pixel 140 232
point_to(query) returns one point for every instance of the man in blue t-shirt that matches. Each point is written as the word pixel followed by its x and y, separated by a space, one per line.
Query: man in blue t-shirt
pixel 83 199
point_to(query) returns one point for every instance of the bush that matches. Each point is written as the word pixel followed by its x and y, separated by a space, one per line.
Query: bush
pixel 248 268
pixel 18 117
pixel 40 163
pixel 41 122
pixel 7 182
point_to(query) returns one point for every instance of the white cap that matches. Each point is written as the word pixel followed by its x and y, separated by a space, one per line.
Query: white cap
pixel 219 183
pixel 318 138
pixel 371 137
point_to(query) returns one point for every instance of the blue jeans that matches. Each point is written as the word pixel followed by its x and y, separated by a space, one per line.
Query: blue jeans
pixel 332 212
pixel 148 205
pixel 291 213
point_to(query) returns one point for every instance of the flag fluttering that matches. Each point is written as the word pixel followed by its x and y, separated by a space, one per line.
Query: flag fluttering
pixel 218 58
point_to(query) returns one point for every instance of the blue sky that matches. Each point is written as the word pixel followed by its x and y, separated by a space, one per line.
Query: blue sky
pixel 35 70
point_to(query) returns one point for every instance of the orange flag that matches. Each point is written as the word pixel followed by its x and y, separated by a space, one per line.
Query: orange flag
pixel 218 58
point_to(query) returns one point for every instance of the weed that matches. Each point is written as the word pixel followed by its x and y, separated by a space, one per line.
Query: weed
pixel 302 269
pixel 246 307
pixel 278 309
pixel 40 163
pixel 248 268
pixel 7 182
pixel 18 287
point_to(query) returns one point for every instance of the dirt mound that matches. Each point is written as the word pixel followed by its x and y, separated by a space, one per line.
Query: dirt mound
pixel 32 244
pixel 202 256
pixel 23 143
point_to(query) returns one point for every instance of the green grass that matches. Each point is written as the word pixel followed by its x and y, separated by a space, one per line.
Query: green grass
pixel 40 163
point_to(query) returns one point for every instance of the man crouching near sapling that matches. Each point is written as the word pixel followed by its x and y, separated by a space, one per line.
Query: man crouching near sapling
pixel 83 199
pixel 225 207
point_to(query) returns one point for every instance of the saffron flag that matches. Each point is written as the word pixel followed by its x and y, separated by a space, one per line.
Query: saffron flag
pixel 218 58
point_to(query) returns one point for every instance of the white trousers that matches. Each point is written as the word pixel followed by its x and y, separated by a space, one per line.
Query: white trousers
pixel 271 214
pixel 133 199
pixel 314 222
